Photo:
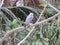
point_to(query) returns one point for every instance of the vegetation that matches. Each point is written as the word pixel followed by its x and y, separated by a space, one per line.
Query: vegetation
pixel 44 30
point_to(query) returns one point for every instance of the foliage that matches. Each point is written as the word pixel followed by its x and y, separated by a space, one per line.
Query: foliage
pixel 44 34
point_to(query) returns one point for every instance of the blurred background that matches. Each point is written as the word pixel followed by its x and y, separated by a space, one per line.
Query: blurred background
pixel 13 14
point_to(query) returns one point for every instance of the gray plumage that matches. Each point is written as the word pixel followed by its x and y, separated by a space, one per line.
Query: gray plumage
pixel 29 18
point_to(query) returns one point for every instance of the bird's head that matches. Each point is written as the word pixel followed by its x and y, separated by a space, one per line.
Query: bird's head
pixel 31 14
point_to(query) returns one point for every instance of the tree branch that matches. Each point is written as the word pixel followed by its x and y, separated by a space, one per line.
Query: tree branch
pixel 10 32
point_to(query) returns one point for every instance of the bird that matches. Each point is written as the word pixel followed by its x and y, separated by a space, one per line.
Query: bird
pixel 29 19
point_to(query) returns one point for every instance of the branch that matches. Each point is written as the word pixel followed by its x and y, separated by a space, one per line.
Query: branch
pixel 52 6
pixel 10 32
pixel 58 14
pixel 1 3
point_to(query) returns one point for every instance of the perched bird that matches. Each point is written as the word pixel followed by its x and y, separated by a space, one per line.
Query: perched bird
pixel 29 18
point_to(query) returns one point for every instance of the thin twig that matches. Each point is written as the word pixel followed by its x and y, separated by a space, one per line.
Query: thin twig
pixel 41 13
pixel 1 3
pixel 52 6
